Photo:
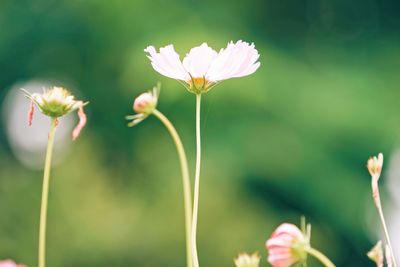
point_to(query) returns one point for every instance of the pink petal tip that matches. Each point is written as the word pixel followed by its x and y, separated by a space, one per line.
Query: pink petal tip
pixel 30 113
pixel 81 123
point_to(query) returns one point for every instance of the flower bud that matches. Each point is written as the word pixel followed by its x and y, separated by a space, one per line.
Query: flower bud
pixel 286 246
pixel 376 254
pixel 246 260
pixel 145 103
pixel 10 263
pixel 374 165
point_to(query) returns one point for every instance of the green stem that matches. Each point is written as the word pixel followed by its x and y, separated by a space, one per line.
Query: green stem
pixel 385 230
pixel 185 179
pixel 321 257
pixel 197 182
pixel 45 194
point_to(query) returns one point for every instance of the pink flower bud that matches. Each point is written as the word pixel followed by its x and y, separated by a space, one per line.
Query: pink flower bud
pixel 145 103
pixel 286 246
pixel 10 263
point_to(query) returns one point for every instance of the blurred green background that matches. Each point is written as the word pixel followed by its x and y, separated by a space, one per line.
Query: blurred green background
pixel 289 140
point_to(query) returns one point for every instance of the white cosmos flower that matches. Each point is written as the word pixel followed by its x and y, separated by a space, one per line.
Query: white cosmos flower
pixel 203 67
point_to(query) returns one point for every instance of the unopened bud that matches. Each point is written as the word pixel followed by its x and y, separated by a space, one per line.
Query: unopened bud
pixel 145 103
pixel 375 164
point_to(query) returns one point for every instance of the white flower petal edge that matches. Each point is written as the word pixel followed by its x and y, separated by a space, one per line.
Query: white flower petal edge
pixel 167 62
pixel 198 60
pixel 236 60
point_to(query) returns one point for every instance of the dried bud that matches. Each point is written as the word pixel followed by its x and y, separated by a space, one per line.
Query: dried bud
pixel 55 103
pixel 374 165
pixel 286 246
pixel 376 254
pixel 246 260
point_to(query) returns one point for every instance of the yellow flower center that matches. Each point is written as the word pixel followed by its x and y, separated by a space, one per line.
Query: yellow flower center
pixel 55 102
pixel 198 85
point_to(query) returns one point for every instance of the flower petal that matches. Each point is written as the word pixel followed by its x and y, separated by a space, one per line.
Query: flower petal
pixel 198 60
pixel 280 245
pixel 167 62
pixel 281 260
pixel 388 255
pixel 288 228
pixel 81 123
pixel 30 113
pixel 236 60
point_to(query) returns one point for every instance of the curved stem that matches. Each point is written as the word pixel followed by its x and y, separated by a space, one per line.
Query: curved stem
pixel 383 221
pixel 185 179
pixel 321 257
pixel 197 182
pixel 45 194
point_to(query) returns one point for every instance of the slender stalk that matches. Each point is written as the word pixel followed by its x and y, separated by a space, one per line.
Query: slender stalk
pixel 385 230
pixel 197 182
pixel 45 195
pixel 187 194
pixel 321 257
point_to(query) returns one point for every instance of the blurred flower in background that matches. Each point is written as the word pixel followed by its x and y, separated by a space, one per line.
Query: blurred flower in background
pixel 246 260
pixel 10 263
pixel 29 143
pixel 392 186
pixel 56 102
pixel 287 246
